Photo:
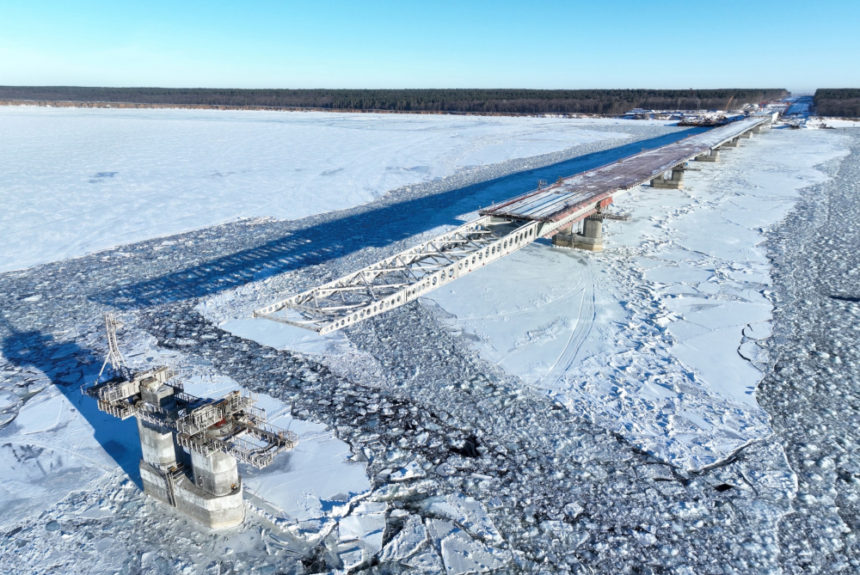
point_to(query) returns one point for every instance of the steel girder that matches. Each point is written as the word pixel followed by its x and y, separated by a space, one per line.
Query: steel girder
pixel 403 277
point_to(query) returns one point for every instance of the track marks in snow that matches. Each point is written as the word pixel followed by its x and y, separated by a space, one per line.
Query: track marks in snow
pixel 585 318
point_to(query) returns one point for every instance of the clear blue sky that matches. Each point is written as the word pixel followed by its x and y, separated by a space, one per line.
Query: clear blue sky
pixel 798 45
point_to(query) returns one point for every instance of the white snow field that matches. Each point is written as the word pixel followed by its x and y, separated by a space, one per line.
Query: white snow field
pixel 77 180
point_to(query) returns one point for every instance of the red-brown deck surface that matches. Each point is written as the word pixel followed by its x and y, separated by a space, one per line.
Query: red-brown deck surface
pixel 559 199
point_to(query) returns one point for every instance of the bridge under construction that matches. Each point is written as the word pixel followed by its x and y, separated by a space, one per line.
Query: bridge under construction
pixel 554 211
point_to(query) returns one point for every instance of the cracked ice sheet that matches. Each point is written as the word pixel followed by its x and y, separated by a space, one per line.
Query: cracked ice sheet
pixel 332 348
pixel 467 547
pixel 284 336
pixel 461 553
pixel 58 442
pixel 645 337
pixel 153 173
pixel 49 451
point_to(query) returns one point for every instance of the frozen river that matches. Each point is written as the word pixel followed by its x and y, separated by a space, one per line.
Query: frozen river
pixel 557 410
pixel 82 180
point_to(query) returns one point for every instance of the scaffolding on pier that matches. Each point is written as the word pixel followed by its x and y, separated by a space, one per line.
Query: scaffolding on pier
pixel 232 425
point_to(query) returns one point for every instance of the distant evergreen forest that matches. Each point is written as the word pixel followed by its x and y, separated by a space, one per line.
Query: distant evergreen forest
pixel 607 102
pixel 844 102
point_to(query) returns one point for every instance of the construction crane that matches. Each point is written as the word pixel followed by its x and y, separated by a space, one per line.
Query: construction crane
pixel 114 357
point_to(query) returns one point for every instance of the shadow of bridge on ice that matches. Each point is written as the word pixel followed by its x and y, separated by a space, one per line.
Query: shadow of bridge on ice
pixel 351 230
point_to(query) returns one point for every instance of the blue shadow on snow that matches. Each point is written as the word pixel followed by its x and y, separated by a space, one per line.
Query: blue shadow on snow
pixel 69 366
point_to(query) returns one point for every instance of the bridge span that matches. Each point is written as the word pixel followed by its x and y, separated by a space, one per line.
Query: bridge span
pixel 549 211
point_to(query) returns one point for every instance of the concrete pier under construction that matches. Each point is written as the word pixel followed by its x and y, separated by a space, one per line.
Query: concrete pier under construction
pixel 189 445
pixel 675 181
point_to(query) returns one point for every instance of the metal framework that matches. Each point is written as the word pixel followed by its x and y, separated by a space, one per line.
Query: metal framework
pixel 114 357
pixel 499 231
pixel 232 425
pixel 404 277
pixel 225 426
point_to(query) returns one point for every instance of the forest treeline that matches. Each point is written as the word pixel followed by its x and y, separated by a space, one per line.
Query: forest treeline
pixel 844 102
pixel 608 102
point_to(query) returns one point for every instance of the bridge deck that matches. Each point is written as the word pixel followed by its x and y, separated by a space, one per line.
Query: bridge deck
pixel 556 201
pixel 500 230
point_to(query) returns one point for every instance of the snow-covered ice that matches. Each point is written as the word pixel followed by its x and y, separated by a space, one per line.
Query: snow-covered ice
pixel 835 123
pixel 77 181
pixel 655 337
pixel 443 442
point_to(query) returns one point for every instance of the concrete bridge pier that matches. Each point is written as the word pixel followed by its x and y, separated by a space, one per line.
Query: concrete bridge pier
pixel 591 237
pixel 734 143
pixel 746 135
pixel 564 238
pixel 215 498
pixel 711 156
pixel 216 473
pixel 156 445
pixel 159 455
pixel 675 182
